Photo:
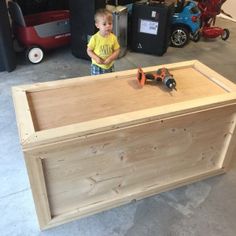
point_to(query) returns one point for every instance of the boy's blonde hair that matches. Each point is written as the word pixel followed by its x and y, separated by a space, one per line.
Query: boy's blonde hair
pixel 102 13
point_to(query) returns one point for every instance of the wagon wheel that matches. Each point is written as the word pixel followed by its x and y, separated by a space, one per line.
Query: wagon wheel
pixel 225 35
pixel 35 54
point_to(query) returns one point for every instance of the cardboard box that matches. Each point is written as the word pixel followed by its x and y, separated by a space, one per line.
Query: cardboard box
pixel 94 143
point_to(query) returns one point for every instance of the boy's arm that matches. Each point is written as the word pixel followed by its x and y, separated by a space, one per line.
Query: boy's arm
pixel 116 52
pixel 112 57
pixel 94 56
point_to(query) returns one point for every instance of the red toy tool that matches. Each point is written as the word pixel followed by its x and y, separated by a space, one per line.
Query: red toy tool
pixel 162 74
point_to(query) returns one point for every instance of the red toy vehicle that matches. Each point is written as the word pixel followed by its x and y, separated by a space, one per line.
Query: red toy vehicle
pixel 209 10
pixel 41 31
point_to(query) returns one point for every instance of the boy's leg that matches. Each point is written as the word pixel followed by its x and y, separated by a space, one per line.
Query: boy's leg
pixel 111 69
pixel 95 70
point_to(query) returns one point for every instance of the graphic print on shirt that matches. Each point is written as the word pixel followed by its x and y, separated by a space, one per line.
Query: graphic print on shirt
pixel 105 50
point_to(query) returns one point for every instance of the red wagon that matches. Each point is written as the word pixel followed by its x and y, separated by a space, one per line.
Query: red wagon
pixel 40 32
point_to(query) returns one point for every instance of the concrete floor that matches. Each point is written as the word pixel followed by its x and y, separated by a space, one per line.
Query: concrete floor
pixel 204 208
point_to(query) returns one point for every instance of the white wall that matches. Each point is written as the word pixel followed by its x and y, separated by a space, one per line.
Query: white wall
pixel 230 7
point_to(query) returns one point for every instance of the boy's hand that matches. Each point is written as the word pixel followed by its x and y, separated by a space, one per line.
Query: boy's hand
pixel 99 60
pixel 107 61
pixel 94 56
pixel 112 57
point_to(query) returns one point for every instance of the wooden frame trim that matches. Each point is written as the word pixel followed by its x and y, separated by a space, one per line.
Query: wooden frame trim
pixel 203 69
pixel 87 79
pixel 24 119
pixel 127 119
pixel 230 144
pixel 39 189
pixel 111 203
pixel 215 77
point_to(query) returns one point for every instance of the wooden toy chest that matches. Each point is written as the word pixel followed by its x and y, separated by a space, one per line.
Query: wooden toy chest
pixel 93 143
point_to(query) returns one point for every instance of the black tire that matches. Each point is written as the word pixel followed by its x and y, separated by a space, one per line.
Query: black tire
pixel 225 35
pixel 179 37
pixel 34 54
pixel 196 37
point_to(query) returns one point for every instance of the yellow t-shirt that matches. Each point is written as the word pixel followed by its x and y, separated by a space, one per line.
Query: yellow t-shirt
pixel 103 47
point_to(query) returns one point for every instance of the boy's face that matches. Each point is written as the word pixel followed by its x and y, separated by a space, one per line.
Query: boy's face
pixel 104 24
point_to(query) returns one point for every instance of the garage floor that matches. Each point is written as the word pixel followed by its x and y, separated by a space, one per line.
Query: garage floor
pixel 204 208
